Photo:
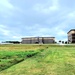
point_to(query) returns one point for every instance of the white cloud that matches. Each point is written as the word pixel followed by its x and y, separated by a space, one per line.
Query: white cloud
pixel 6 8
pixel 8 34
pixel 15 37
pixel 43 8
pixel 55 5
pixel 71 16
pixel 4 31
pixel 5 4
pixel 61 33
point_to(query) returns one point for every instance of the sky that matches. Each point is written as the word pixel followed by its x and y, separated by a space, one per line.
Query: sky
pixel 36 18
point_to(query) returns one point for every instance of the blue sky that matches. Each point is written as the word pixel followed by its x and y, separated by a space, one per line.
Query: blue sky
pixel 23 18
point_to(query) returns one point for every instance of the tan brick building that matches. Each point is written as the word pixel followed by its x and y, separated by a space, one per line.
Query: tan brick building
pixel 71 36
pixel 38 40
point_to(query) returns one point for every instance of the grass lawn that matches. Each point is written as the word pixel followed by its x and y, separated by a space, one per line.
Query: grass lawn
pixel 50 60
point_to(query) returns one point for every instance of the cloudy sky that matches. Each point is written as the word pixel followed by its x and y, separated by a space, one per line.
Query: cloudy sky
pixel 23 18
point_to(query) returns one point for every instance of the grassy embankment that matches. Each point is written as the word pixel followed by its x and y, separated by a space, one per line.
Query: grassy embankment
pixel 51 60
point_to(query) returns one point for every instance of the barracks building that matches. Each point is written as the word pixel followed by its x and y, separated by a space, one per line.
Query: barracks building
pixel 71 36
pixel 38 40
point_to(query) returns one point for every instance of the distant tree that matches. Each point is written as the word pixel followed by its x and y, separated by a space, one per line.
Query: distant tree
pixel 14 42
pixel 59 41
pixel 63 42
pixel 66 42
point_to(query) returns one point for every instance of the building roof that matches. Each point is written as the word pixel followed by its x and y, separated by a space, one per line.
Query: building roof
pixel 38 37
pixel 71 30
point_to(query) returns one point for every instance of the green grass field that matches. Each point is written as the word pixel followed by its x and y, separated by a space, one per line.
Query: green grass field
pixel 48 59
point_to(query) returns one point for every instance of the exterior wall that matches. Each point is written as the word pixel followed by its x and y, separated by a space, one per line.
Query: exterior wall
pixel 73 38
pixel 49 40
pixel 34 40
pixel 70 38
pixel 38 40
pixel 26 41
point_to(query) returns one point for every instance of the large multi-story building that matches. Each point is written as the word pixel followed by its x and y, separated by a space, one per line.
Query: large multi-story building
pixel 38 40
pixel 71 36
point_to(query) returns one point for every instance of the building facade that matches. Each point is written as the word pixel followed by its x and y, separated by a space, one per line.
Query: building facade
pixel 38 40
pixel 71 36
